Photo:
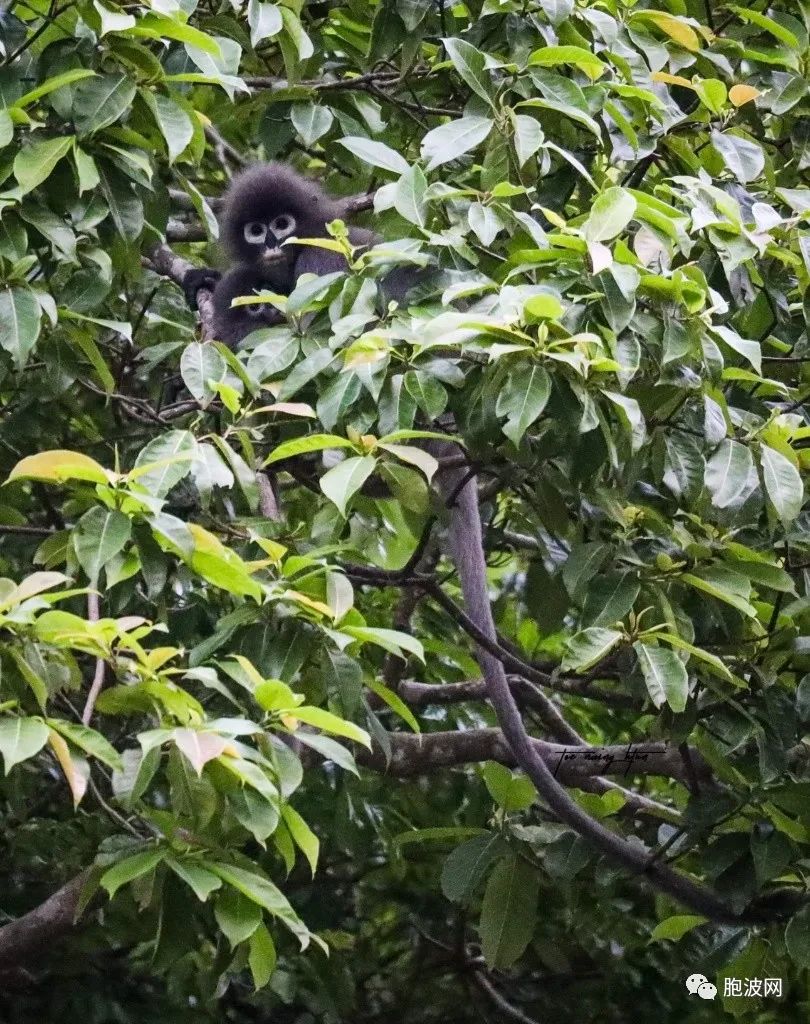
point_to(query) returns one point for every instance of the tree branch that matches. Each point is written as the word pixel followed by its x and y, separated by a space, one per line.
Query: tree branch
pixel 98 675
pixel 467 551
pixel 421 753
pixel 39 928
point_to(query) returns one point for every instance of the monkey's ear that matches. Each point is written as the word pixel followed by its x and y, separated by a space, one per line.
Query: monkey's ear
pixel 196 280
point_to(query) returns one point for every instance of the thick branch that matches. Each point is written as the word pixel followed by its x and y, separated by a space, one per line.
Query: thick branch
pixel 417 754
pixel 20 940
pixel 467 550
pixel 170 265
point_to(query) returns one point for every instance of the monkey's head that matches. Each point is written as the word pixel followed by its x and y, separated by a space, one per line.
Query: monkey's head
pixel 264 206
pixel 233 323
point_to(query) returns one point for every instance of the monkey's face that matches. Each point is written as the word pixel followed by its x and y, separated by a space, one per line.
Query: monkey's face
pixel 263 208
pixel 261 240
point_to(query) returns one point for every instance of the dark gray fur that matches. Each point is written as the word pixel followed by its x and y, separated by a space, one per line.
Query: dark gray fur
pixel 232 324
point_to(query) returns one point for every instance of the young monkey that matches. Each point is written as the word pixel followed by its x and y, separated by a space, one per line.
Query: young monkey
pixel 232 324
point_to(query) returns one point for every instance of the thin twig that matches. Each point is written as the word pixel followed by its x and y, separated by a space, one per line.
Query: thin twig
pixel 98 676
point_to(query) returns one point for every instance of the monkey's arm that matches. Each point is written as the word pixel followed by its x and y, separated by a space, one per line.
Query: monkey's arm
pixel 197 279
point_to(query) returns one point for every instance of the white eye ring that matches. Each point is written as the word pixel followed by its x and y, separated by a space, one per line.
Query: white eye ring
pixel 283 226
pixel 255 232
pixel 255 310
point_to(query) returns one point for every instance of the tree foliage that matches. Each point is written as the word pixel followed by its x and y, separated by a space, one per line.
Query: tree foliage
pixel 247 711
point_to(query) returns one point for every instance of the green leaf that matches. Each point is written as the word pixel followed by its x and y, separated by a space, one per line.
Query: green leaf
pixel 610 598
pixel 311 121
pixel 375 153
pixel 676 927
pixel 270 358
pixel 589 646
pixel 452 140
pixel 164 462
pixel 783 484
pixel 303 836
pixel 200 365
pixel 303 445
pixel 728 472
pixel 748 349
pixel 427 392
pixel 52 84
pixel 174 122
pixel 265 21
pixel 409 197
pixel 468 863
pixel 59 465
pixel 724 586
pixel 509 911
pixel 164 26
pixel 797 937
pixel 21 738
pixel 20 316
pixel 743 157
pixel 129 869
pixel 528 137
pixel 262 953
pixel 511 791
pixel 262 892
pixel 714 663
pixel 397 705
pixel 202 881
pixel 305 371
pixel 553 56
pixel 343 481
pixel 101 101
pixel 770 25
pixel 34 163
pixel 523 399
pixel 582 565
pixel 324 720
pixel 88 740
pixel 665 675
pixel 392 640
pixel 470 63
pixel 543 307
pixel 237 916
pixel 99 535
pixel 610 214
pixel 713 94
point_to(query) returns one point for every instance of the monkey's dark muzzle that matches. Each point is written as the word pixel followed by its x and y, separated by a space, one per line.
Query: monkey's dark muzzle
pixel 273 253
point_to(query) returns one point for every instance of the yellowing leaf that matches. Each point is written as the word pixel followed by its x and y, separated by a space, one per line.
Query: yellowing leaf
pixel 664 76
pixel 308 602
pixel 58 465
pixel 75 768
pixel 740 94
pixel 677 30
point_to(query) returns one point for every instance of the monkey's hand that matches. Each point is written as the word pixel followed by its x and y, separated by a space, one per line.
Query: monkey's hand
pixel 196 280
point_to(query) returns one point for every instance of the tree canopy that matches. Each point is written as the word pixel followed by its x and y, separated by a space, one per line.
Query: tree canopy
pixel 436 661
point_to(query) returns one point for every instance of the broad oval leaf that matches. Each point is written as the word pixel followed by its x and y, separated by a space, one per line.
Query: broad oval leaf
pixel 344 480
pixel 665 675
pixel 21 738
pixel 727 473
pixel 449 141
pixel 783 484
pixel 509 911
